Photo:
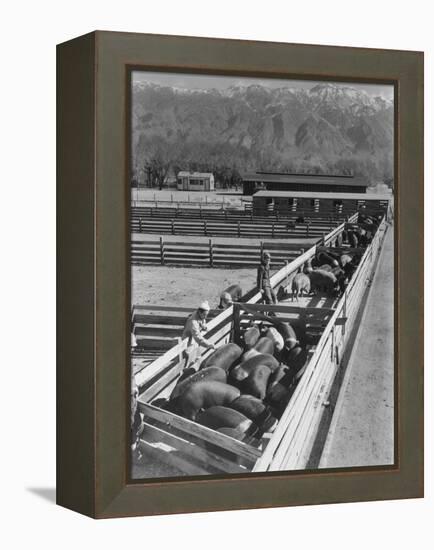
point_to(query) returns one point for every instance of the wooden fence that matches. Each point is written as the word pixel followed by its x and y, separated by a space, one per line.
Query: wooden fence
pixel 239 229
pixel 292 442
pixel 209 254
pixel 290 445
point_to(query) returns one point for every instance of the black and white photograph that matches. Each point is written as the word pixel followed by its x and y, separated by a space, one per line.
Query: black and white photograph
pixel 262 275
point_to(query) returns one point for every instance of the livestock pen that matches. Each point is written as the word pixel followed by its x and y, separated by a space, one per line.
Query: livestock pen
pixel 193 449
pixel 208 222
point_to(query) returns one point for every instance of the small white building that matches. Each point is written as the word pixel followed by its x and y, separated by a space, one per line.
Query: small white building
pixel 195 181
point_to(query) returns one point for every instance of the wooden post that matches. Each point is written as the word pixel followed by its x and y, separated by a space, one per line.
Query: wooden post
pixel 151 211
pixel 344 311
pixel 173 227
pixel 162 250
pixel 236 316
pixel 179 349
pixel 272 231
pixel 140 225
pixel 287 273
pixel 239 228
pixel 205 228
pixel 333 345
pixel 211 258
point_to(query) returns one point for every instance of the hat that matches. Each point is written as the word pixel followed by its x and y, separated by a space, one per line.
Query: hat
pixel 266 254
pixel 204 306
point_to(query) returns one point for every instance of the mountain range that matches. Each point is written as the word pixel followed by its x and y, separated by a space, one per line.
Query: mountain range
pixel 329 128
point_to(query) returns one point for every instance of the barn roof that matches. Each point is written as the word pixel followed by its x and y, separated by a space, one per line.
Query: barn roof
pixel 323 179
pixel 316 195
pixel 184 174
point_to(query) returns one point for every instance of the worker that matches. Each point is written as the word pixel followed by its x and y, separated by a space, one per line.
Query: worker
pixel 136 421
pixel 193 329
pixel 263 280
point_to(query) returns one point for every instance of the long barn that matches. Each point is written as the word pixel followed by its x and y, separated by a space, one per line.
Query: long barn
pixel 325 183
pixel 305 203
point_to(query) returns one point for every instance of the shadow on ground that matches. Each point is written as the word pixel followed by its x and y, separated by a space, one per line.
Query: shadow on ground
pixel 46 493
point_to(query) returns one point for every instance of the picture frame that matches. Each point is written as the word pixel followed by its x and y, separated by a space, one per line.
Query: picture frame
pixel 93 331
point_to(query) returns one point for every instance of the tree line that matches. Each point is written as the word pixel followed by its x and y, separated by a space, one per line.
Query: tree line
pixel 155 159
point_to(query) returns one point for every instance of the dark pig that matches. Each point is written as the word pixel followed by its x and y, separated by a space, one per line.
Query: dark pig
pixel 223 417
pixel 265 345
pixel 210 373
pixel 224 357
pixel 204 395
pixel 256 382
pixel 322 281
pixel 251 336
pixel 254 408
pixel 296 360
pixel 325 258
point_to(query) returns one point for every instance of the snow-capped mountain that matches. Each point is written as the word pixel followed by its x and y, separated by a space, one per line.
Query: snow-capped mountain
pixel 329 127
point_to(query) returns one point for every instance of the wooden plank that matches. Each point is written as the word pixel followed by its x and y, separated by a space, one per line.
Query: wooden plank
pixel 190 450
pixel 171 459
pixel 216 438
pixel 137 307
pixel 253 308
pixel 163 331
pixel 161 383
pixel 159 319
pixel 155 341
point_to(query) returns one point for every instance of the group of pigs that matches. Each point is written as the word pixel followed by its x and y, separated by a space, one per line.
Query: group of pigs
pixel 328 271
pixel 242 389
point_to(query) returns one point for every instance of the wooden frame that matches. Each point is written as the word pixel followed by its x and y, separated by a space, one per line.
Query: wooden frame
pixel 93 273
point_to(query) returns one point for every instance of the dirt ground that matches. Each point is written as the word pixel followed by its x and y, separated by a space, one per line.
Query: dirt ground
pixel 185 286
pixel 230 198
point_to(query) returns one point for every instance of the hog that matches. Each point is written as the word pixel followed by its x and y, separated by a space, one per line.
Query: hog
pixel 322 281
pixel 300 284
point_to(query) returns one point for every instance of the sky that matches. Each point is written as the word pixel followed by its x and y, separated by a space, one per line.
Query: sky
pixel 203 82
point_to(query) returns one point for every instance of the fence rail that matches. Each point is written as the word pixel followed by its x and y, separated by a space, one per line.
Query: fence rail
pixel 236 229
pixel 230 214
pixel 209 254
